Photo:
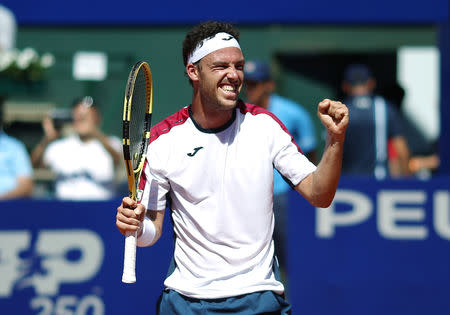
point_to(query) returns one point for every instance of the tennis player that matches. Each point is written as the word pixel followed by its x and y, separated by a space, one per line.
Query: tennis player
pixel 214 160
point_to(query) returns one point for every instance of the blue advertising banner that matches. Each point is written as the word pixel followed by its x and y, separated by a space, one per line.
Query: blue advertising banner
pixel 67 258
pixel 381 248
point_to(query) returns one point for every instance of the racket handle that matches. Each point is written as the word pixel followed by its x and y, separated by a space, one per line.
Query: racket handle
pixel 129 261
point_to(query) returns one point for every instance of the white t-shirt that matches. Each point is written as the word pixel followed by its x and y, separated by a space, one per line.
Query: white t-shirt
pixel 84 170
pixel 221 185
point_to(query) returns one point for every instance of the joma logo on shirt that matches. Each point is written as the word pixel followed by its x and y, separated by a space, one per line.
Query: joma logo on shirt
pixel 195 151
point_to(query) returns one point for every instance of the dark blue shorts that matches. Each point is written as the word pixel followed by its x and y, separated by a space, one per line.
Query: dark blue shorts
pixel 266 302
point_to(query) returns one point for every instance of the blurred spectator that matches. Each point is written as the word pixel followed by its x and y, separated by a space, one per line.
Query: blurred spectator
pixel 8 29
pixel 424 158
pixel 373 122
pixel 15 166
pixel 84 161
pixel 260 87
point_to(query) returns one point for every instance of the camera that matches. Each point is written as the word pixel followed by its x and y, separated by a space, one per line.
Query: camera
pixel 60 117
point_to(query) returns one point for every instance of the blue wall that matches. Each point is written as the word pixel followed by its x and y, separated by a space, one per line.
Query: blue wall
pixel 68 256
pixel 247 12
pixel 382 248
pixel 444 147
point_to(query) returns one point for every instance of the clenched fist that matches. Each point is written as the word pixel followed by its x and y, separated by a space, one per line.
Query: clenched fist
pixel 334 116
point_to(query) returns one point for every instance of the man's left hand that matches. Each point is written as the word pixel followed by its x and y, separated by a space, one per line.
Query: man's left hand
pixel 334 116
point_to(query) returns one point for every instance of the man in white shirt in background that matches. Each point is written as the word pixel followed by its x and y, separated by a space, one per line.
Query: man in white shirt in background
pixel 83 162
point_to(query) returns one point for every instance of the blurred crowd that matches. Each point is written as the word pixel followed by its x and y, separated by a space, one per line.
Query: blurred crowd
pixel 381 141
pixel 82 160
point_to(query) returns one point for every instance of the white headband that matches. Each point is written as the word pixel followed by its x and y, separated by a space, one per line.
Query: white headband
pixel 208 45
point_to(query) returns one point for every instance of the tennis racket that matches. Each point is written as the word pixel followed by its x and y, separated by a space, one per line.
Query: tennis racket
pixel 137 113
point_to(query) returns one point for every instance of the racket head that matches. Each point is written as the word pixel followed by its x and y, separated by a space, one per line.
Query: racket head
pixel 137 112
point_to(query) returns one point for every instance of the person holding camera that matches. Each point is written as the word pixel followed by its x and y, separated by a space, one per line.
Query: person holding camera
pixel 83 162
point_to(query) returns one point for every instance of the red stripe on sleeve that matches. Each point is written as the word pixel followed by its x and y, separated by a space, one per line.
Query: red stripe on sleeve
pixel 256 110
pixel 161 128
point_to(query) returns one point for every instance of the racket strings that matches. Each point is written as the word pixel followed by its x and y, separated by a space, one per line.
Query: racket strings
pixel 138 121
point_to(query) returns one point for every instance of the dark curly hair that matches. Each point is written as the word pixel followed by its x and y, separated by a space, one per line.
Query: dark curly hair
pixel 202 31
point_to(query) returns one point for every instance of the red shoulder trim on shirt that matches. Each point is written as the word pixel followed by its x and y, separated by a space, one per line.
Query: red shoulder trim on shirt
pixel 168 123
pixel 161 128
pixel 255 110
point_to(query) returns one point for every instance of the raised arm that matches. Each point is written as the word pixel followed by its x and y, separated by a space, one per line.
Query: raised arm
pixel 320 186
pixel 50 134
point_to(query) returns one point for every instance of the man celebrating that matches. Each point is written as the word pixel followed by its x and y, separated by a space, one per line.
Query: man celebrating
pixel 214 159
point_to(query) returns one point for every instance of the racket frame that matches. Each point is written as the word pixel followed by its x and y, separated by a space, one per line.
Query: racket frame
pixel 134 174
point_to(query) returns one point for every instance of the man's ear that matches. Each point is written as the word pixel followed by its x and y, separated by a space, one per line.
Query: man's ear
pixel 192 72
